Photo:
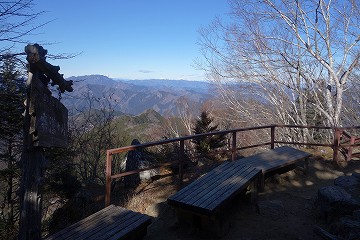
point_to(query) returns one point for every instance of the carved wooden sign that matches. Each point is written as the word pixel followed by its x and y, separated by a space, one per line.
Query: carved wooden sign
pixel 48 116
pixel 51 123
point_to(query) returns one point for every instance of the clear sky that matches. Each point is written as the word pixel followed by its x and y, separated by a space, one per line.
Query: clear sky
pixel 130 39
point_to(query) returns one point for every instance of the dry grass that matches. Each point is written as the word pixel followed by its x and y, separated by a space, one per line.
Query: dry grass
pixel 138 201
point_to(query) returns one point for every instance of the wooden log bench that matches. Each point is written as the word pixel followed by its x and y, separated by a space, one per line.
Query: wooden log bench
pixel 201 202
pixel 112 222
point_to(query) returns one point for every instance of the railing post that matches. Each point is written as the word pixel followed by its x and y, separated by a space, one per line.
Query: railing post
pixel 233 146
pixel 337 137
pixel 181 161
pixel 349 153
pixel 272 133
pixel 108 178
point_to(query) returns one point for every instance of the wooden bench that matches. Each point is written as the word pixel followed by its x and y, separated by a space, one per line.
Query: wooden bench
pixel 112 222
pixel 276 160
pixel 204 198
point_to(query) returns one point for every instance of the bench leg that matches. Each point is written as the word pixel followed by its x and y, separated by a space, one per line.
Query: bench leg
pixel 216 225
pixel 254 190
pixel 261 182
pixel 306 166
pixel 220 227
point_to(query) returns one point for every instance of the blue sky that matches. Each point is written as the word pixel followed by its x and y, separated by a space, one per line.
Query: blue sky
pixel 130 39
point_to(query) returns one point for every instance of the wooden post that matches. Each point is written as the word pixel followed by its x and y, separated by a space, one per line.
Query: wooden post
pixel 32 163
pixel 306 166
pixel 181 161
pixel 45 125
pixel 336 143
pixel 31 198
pixel 350 148
pixel 272 130
pixel 108 178
pixel 255 189
pixel 233 146
pixel 261 182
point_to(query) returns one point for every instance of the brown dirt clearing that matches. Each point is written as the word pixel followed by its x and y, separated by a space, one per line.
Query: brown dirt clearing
pixel 295 190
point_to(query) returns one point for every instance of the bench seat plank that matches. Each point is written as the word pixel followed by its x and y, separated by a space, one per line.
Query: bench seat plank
pixel 215 178
pixel 120 227
pixel 233 189
pixel 233 181
pixel 201 182
pixel 112 222
pixel 275 159
pixel 210 192
pixel 78 225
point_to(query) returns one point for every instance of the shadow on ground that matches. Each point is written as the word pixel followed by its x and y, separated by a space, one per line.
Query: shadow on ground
pixel 296 191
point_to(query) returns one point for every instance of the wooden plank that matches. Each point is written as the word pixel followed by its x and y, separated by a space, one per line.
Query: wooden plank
pixel 219 185
pixel 216 179
pixel 276 158
pixel 213 179
pixel 121 226
pixel 202 180
pixel 104 224
pixel 100 228
pixel 234 189
pixel 98 215
pixel 140 223
pixel 220 190
pixel 92 226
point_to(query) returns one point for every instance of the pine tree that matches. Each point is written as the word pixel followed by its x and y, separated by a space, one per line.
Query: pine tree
pixel 12 95
pixel 204 145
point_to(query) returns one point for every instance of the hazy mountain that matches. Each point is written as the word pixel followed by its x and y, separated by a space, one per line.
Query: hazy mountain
pixel 135 96
pixel 197 86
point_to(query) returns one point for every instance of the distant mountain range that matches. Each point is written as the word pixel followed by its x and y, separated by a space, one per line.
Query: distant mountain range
pixel 135 96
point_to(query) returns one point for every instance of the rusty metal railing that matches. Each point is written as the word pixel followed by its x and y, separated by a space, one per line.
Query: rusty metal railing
pixel 335 145
pixel 346 142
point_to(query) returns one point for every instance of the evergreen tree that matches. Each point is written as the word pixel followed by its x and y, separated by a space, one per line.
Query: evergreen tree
pixel 204 145
pixel 12 95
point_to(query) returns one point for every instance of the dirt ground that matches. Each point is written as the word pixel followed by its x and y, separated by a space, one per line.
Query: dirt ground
pixel 294 189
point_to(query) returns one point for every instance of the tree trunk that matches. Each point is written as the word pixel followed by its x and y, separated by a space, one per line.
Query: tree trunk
pixel 30 214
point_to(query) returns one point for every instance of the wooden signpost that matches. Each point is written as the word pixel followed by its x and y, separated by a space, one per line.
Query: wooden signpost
pixel 45 125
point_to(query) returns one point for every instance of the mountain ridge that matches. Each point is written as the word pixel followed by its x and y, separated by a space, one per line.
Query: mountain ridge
pixel 135 96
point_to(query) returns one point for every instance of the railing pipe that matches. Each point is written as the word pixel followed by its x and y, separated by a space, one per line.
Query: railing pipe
pixel 166 141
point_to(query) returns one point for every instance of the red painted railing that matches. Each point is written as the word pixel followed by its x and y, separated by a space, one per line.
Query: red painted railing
pixel 347 141
pixel 336 145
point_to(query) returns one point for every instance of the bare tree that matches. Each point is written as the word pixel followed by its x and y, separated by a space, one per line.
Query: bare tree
pixel 295 58
pixel 92 132
pixel 352 101
pixel 17 21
